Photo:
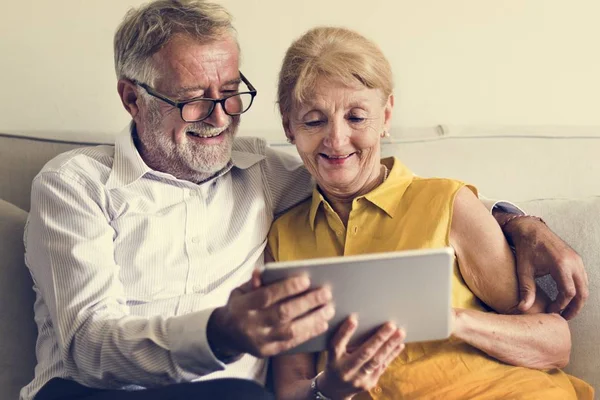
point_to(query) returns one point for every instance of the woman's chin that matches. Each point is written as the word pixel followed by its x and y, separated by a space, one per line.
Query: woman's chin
pixel 335 180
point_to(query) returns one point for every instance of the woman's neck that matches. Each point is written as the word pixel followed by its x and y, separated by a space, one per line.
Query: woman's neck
pixel 342 203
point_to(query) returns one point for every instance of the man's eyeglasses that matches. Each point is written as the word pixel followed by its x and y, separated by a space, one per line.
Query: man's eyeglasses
pixel 200 108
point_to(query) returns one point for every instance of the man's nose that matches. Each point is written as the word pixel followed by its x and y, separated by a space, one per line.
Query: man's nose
pixel 218 118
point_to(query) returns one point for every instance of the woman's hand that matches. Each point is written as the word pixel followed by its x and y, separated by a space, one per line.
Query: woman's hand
pixel 351 371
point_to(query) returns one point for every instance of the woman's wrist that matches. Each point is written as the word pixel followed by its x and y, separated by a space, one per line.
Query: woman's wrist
pixel 328 388
pixel 460 323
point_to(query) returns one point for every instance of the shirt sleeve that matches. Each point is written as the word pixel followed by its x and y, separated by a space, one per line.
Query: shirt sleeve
pixel 70 252
pixel 503 205
pixel 288 182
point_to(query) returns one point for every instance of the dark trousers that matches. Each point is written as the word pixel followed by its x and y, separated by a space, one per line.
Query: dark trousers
pixel 62 389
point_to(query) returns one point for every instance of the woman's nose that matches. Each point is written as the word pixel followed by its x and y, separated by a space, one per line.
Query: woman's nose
pixel 337 136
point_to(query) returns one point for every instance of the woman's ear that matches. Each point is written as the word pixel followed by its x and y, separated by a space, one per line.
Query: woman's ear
pixel 285 121
pixel 387 115
pixel 129 96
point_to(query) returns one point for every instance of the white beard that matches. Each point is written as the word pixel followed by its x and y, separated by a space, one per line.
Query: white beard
pixel 187 160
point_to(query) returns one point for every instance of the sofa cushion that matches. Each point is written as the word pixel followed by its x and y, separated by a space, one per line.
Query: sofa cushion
pixel 578 223
pixel 21 158
pixel 17 330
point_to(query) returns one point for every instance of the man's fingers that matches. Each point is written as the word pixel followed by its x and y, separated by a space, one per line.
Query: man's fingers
pixel 277 340
pixel 255 280
pixel 268 295
pixel 561 302
pixel 339 342
pixel 566 291
pixel 303 328
pixel 527 287
pixel 288 310
pixel 575 306
pixel 246 287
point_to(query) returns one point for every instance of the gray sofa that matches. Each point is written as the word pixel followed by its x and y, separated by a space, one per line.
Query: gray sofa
pixel 576 220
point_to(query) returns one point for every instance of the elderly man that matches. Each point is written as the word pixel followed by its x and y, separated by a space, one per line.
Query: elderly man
pixel 143 253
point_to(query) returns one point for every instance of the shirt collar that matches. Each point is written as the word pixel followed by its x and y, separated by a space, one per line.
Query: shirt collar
pixel 385 196
pixel 317 200
pixel 128 165
pixel 244 159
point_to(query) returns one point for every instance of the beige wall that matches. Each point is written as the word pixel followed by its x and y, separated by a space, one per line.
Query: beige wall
pixel 460 62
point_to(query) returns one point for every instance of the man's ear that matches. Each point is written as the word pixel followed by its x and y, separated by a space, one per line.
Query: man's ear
pixel 389 107
pixel 129 96
pixel 285 121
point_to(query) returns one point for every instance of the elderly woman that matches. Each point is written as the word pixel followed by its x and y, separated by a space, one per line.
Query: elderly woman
pixel 336 101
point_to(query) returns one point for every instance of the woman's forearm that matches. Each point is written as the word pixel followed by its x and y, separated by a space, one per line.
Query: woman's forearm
pixel 298 390
pixel 540 341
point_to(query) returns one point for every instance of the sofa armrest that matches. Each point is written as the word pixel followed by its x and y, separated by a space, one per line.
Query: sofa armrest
pixel 17 330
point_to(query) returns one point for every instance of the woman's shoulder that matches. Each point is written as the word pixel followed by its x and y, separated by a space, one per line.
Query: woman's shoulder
pixel 293 216
pixel 439 185
pixel 287 229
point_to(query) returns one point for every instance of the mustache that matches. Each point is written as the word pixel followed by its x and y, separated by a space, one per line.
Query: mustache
pixel 209 130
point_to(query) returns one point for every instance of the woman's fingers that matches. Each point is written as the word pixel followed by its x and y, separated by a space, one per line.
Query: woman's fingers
pixel 339 341
pixel 383 356
pixel 392 355
pixel 362 357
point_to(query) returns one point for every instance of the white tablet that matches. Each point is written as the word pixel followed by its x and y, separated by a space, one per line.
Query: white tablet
pixel 411 288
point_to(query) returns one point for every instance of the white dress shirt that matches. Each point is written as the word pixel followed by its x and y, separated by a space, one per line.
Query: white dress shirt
pixel 128 263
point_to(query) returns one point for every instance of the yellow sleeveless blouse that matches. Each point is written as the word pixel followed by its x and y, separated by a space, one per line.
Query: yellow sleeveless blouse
pixel 403 213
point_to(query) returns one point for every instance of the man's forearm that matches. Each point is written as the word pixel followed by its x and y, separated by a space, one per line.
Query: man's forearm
pixel 540 341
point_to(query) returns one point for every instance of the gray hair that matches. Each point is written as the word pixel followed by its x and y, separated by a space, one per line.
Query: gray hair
pixel 145 30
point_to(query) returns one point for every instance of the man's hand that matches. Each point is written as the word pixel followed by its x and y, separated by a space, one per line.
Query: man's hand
pixel 540 252
pixel 266 320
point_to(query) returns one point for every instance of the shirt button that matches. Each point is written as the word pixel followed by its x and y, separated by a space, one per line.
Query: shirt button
pixel 195 239
pixel 377 390
pixel 197 288
pixel 355 230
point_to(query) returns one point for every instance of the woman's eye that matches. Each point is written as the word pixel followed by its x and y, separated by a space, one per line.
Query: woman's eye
pixel 356 119
pixel 313 124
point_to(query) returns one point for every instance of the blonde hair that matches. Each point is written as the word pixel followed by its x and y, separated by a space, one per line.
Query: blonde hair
pixel 334 53
pixel 145 30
